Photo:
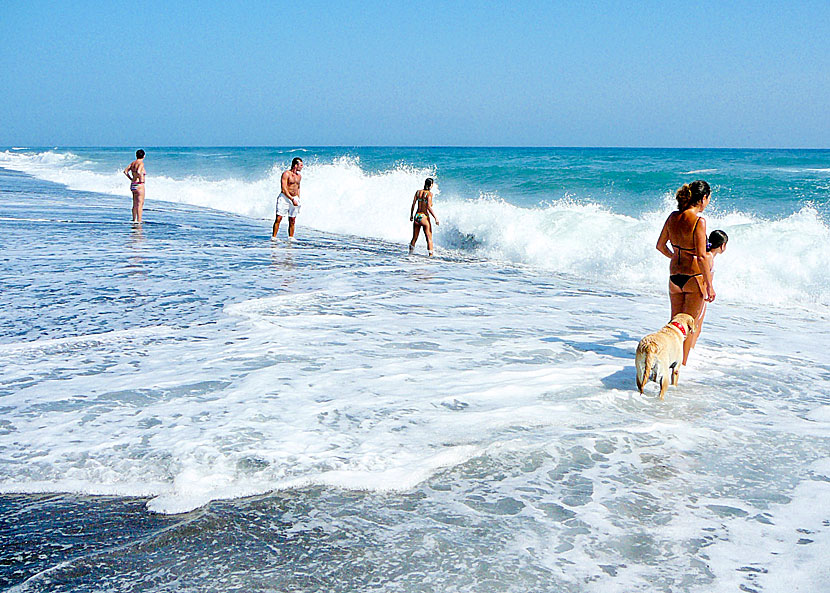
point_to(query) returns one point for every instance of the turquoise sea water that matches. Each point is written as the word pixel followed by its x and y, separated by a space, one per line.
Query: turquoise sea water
pixel 189 406
pixel 767 183
pixel 591 213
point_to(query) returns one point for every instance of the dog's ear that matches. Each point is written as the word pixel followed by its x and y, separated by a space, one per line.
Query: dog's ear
pixel 691 324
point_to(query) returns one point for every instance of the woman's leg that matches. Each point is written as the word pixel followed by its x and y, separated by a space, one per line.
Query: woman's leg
pixel 677 298
pixel 136 197
pixel 693 305
pixel 698 327
pixel 139 204
pixel 416 230
pixel 428 233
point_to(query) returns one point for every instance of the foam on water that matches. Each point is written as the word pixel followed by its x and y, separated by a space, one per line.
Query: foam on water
pixel 326 392
pixel 463 416
pixel 768 261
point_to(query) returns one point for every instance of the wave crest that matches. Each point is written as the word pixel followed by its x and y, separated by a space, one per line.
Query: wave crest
pixel 766 262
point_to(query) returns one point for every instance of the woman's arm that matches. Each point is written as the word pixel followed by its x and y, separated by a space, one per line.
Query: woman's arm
pixel 702 262
pixel 412 207
pixel 127 172
pixel 663 239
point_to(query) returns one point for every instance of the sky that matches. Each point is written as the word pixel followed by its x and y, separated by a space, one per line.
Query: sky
pixel 465 73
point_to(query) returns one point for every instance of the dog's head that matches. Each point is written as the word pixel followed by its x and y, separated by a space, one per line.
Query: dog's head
pixel 685 320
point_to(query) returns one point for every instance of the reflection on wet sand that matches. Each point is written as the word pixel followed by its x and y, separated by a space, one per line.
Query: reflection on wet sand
pixel 135 249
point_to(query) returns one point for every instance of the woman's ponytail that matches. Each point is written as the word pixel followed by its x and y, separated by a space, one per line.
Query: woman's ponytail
pixel 684 197
pixel 692 194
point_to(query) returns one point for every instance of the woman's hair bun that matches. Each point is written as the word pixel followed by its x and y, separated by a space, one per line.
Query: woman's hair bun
pixel 691 194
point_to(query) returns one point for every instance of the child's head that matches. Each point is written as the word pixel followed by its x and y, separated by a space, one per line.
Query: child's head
pixel 717 239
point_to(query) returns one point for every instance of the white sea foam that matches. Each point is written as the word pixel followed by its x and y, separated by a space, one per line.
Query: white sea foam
pixel 10 218
pixel 90 340
pixel 773 262
pixel 803 169
pixel 316 387
pixel 500 397
pixel 796 542
pixel 192 434
pixel 699 171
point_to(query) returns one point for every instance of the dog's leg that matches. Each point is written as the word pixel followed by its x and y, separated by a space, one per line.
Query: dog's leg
pixel 664 384
pixel 675 374
pixel 644 373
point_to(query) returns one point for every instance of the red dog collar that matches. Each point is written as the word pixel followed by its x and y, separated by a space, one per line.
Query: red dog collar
pixel 679 327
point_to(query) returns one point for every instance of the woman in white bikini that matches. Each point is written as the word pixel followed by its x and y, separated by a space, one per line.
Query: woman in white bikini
pixel 423 198
pixel 690 277
pixel 136 174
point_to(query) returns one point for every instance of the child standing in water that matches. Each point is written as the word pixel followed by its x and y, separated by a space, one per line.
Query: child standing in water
pixel 715 245
pixel 423 198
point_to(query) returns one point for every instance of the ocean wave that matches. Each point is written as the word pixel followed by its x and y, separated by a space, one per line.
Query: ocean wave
pixel 96 339
pixel 803 169
pixel 35 160
pixel 767 261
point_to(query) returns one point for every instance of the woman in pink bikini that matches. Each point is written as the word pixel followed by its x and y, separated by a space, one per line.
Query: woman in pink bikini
pixel 136 174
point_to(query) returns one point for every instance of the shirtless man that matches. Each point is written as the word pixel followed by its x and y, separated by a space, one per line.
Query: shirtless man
pixel 136 174
pixel 288 202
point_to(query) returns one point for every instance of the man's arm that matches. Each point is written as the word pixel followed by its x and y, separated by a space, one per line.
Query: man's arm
pixel 284 188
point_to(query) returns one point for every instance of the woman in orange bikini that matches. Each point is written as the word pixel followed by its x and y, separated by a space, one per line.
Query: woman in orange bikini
pixel 690 279
pixel 423 198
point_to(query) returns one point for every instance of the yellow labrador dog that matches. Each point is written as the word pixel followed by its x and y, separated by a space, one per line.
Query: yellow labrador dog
pixel 659 354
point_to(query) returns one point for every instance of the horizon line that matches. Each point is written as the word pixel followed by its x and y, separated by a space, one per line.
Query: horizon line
pixel 410 146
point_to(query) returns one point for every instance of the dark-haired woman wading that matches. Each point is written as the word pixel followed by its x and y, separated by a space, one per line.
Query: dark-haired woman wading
pixel 137 175
pixel 420 219
pixel 683 240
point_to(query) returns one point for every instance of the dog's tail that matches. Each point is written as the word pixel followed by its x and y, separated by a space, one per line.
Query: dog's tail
pixel 644 371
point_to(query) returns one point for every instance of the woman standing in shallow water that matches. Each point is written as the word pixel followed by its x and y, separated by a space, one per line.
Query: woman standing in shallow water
pixel 423 198
pixel 690 278
pixel 136 174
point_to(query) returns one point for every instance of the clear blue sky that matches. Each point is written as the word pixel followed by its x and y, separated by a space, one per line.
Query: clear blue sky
pixel 703 74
